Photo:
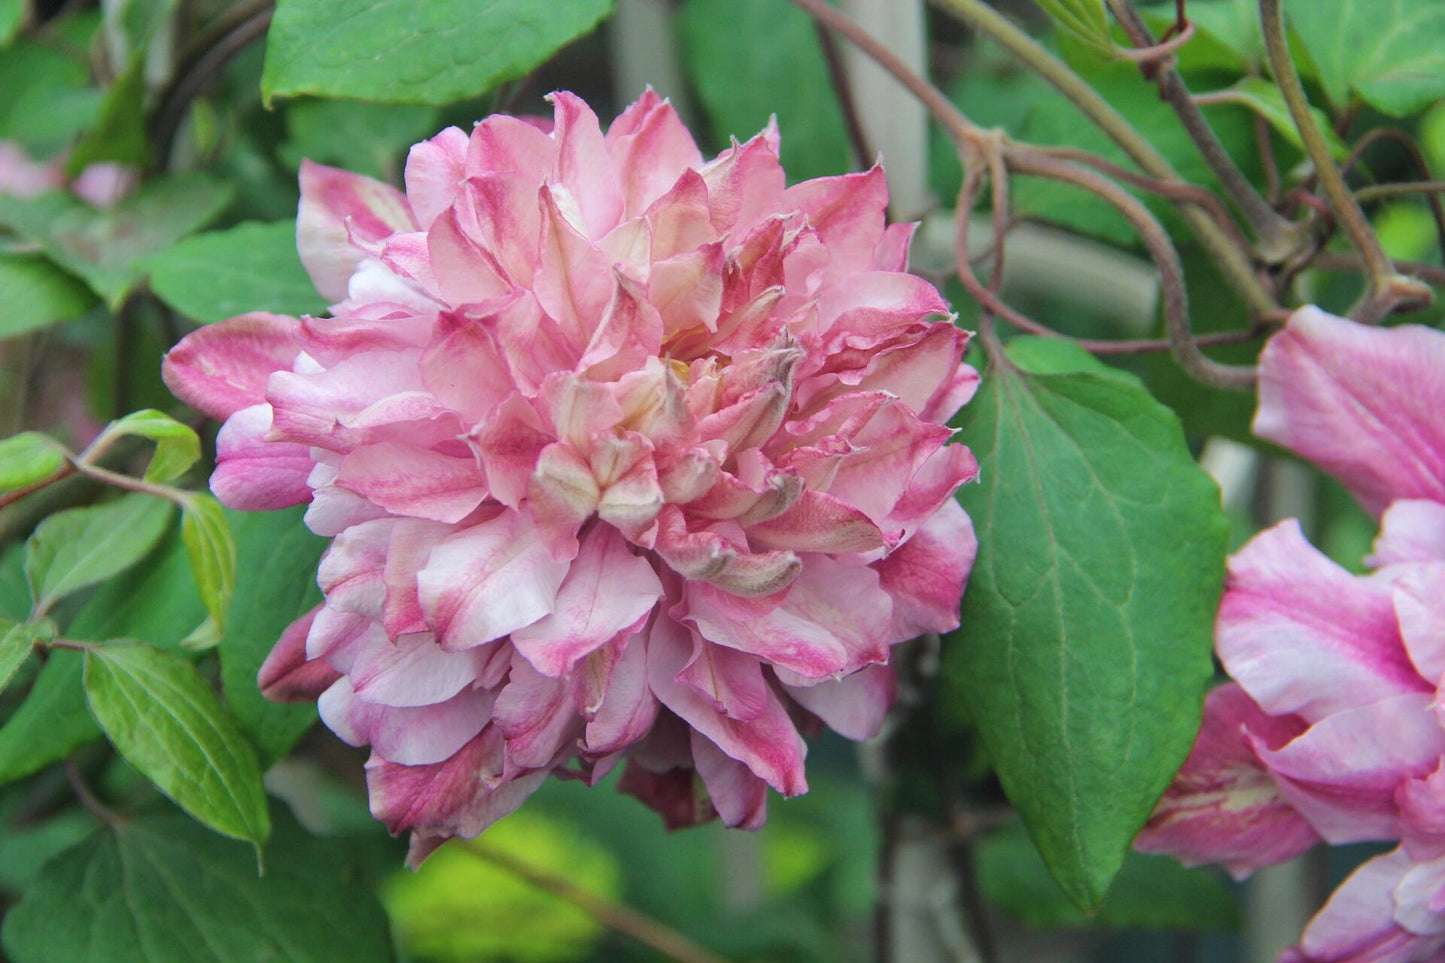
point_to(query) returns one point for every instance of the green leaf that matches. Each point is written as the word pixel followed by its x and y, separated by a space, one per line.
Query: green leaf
pixel 1266 100
pixel 1151 892
pixel 739 54
pixel 82 546
pixel 1085 19
pixel 105 248
pixel 27 458
pixel 370 139
pixel 1226 36
pixel 161 889
pixel 1088 621
pixel 212 552
pixel 17 641
pixel 12 18
pixel 1389 52
pixel 403 52
pixel 275 584
pixel 164 720
pixel 220 274
pixel 177 445
pixel 38 294
pixel 155 601
pixel 49 98
pixel 119 133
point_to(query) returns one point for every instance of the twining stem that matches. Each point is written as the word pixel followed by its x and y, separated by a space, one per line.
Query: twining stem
pixel 1171 273
pixel 1276 234
pixel 1231 260
pixel 1387 287
pixel 621 919
pixel 87 798
pixel 843 90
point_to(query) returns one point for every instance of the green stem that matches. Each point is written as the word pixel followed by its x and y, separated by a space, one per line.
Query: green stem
pixel 1226 254
pixel 1388 287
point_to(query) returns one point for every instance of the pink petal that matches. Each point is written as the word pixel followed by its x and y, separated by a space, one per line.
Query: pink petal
pixel 1418 593
pixel 499 210
pixel 833 620
pixel 488 580
pixel 1342 773
pixel 819 523
pixel 628 707
pixel 584 166
pixel 925 576
pixel 745 184
pixel 536 715
pixel 222 368
pixel 411 736
pixel 713 557
pixel 464 272
pixel 853 706
pixel 434 170
pixel 574 280
pixel 740 798
pixel 1363 403
pixel 1304 636
pixel 287 675
pixel 1358 924
pixel 256 475
pixel 561 495
pixel 687 289
pixel 607 589
pixel 731 681
pixel 419 482
pixel 768 745
pixel 672 794
pixel 650 148
pixel 467 371
pixel 508 144
pixel 413 671
pixel 335 206
pixel 1411 530
pixel 1223 806
pixel 508 446
pixel 848 212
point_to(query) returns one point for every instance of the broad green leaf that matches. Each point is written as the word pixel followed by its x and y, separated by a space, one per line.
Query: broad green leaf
pixel 402 52
pixel 27 458
pixel 12 18
pixel 739 54
pixel 164 720
pixel 1151 892
pixel 177 445
pixel 161 889
pixel 212 552
pixel 1389 52
pixel 220 274
pixel 119 133
pixel 1226 35
pixel 17 641
pixel 1088 621
pixel 105 248
pixel 1085 19
pixel 276 558
pixel 82 546
pixel 36 294
pixel 1265 99
pixel 156 602
pixel 48 99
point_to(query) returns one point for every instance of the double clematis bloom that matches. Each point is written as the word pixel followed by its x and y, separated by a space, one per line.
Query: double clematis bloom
pixel 1333 728
pixel 625 455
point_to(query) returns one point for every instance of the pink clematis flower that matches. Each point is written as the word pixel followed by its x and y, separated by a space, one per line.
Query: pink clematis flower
pixel 1332 728
pixel 625 455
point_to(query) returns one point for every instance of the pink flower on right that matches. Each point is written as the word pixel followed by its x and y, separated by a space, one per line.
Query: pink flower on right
pixel 1333 727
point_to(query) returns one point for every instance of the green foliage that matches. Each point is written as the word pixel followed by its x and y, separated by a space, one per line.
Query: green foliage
pixel 1266 100
pixel 106 248
pixel 1389 53
pixel 38 294
pixel 177 445
pixel 212 553
pixel 163 719
pixel 52 100
pixel 17 641
pixel 739 54
pixel 397 51
pixel 1153 892
pixel 220 274
pixel 369 139
pixel 1085 19
pixel 82 546
pixel 12 16
pixel 1088 620
pixel 27 458
pixel 119 131
pixel 275 584
pixel 161 889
